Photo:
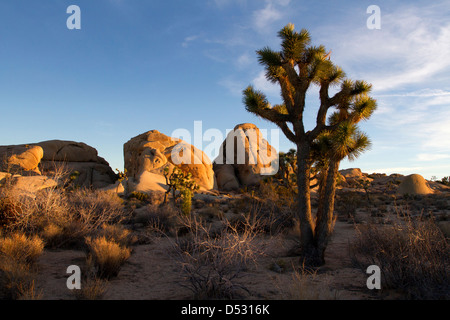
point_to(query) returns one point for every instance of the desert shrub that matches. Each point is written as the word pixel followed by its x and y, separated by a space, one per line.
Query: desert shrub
pixel 16 280
pixel 117 233
pixel 279 195
pixel 279 266
pixel 210 212
pixel 442 204
pixel 269 216
pixel 161 219
pixel 18 255
pixel 92 286
pixel 53 235
pixel 413 257
pixel 92 289
pixel 63 218
pixel 346 205
pixel 22 248
pixel 93 208
pixel 445 181
pixel 139 196
pixel 212 265
pixel 107 255
pixel 305 286
pixel 27 212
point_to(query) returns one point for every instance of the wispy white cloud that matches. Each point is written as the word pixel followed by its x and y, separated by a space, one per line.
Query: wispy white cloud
pixel 244 60
pixel 264 18
pixel 419 93
pixel 188 40
pixel 412 47
pixel 432 156
pixel 407 61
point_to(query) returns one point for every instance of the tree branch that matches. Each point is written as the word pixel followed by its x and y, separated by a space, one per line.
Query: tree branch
pixel 287 132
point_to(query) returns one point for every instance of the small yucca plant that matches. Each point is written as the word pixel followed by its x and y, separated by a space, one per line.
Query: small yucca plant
pixel 178 180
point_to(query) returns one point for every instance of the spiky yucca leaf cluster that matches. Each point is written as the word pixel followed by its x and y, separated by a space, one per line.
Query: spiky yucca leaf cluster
pixel 295 68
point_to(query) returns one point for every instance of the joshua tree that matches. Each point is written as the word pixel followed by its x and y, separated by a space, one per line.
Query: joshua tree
pixel 295 68
pixel 329 150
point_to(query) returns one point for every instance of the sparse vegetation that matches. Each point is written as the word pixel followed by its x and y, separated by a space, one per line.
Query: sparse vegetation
pixel 18 256
pixel 92 287
pixel 213 264
pixel 305 286
pixel 217 241
pixel 413 255
pixel 62 218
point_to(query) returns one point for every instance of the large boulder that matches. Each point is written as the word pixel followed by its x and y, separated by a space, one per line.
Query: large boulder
pixel 147 155
pixel 352 173
pixel 244 158
pixel 353 177
pixel 69 151
pixel 414 184
pixel 94 171
pixel 21 159
pixel 58 157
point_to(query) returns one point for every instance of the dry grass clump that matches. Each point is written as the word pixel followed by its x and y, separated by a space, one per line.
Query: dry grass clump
pixel 279 195
pixel 63 218
pixel 107 255
pixel 24 249
pixel 93 208
pixel 116 233
pixel 271 216
pixel 413 257
pixel 212 264
pixel 18 255
pixel 306 286
pixel 164 219
pixel 17 280
pixel 53 235
pixel 92 289
pixel 92 286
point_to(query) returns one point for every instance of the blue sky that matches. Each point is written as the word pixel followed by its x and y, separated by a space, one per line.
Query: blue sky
pixel 139 65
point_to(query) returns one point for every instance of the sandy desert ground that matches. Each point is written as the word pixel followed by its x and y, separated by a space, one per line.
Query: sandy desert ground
pixel 154 273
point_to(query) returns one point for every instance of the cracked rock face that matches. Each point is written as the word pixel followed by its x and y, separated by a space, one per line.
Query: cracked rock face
pixel 148 154
pixel 245 157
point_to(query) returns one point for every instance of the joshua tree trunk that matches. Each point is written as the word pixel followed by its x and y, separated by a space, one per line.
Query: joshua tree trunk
pixel 308 250
pixel 325 218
